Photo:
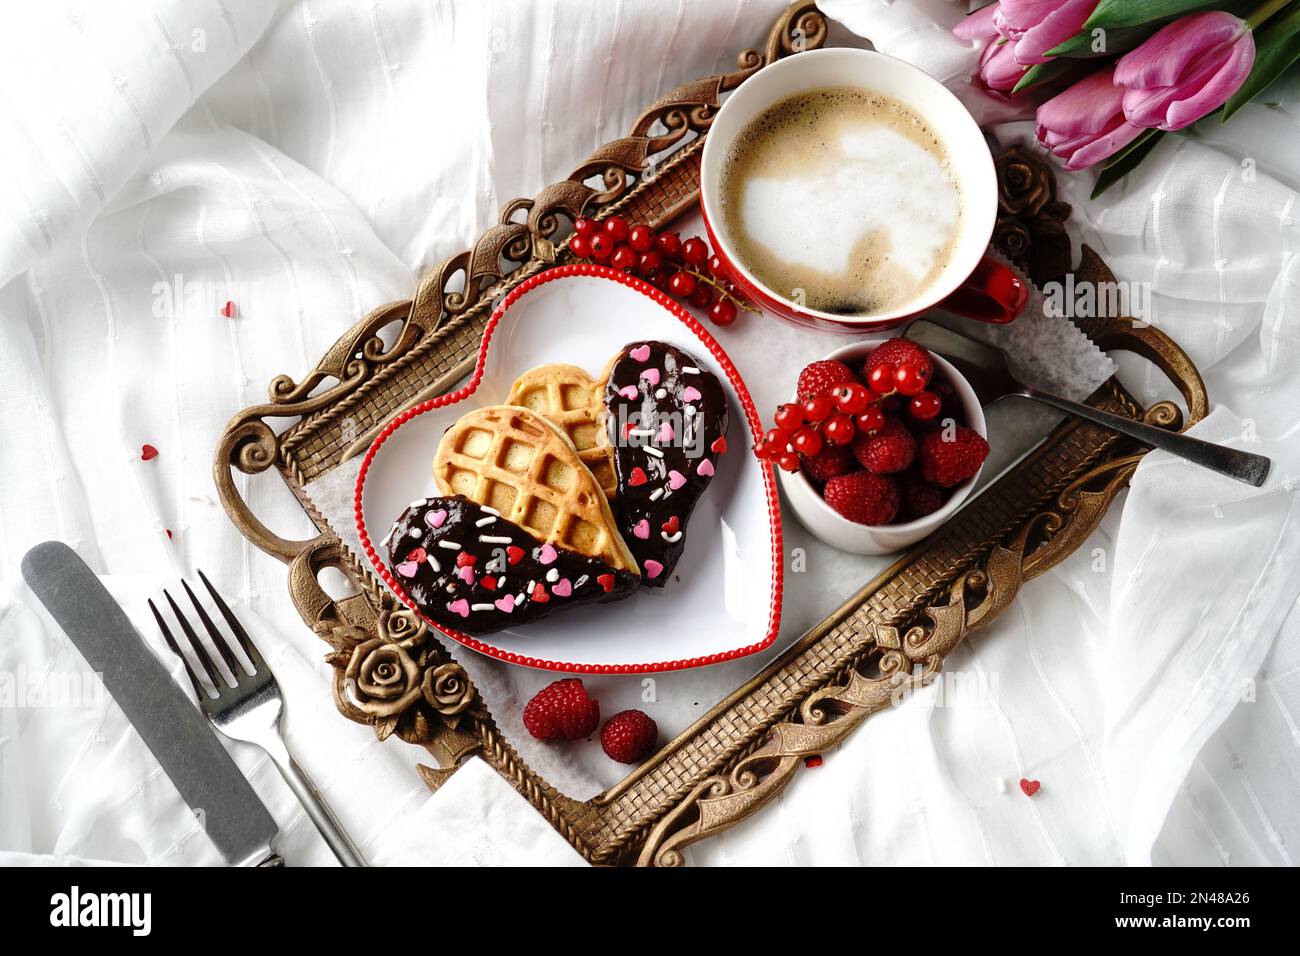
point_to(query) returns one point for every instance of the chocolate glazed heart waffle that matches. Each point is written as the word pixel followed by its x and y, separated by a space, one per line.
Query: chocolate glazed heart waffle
pixel 667 420
pixel 468 568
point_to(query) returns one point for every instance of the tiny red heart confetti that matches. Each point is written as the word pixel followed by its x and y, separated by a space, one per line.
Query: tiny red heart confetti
pixel 229 310
pixel 606 581
pixel 719 445
pixel 514 555
pixel 465 559
pixel 148 453
pixel 419 556
pixel 671 525
pixel 638 477
pixel 488 582
pixel 539 593
pixel 1030 787
pixel 814 761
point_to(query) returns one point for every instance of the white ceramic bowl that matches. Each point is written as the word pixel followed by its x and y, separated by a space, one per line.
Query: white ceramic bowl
pixel 839 532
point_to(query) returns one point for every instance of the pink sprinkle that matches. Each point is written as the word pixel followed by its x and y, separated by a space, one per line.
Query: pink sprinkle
pixel 547 555
pixel 705 468
pixel 466 574
pixel 651 375
pixel 676 479
pixel 653 568
pixel 506 603
pixel 691 394
pixel 460 607
pixel 640 353
pixel 562 588
pixel 435 519
pixel 665 433
pixel 630 392
pixel 641 529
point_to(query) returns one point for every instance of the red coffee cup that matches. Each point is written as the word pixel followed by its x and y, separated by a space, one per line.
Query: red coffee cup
pixel 970 284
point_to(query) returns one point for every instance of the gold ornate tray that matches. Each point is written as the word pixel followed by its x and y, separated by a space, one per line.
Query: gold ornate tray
pixel 892 634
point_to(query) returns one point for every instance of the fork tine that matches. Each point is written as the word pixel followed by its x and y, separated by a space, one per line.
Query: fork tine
pixel 200 653
pixel 235 627
pixel 171 642
pixel 218 639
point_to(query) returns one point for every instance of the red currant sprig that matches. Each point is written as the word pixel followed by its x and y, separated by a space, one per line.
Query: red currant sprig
pixel 686 269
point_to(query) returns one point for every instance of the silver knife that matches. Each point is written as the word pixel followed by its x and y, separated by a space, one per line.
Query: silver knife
pixel 232 813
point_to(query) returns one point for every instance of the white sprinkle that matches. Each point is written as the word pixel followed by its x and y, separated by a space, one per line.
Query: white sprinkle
pixel 671 538
pixel 519 598
pixel 433 563
pixel 1001 784
pixel 656 494
pixel 553 575
pixel 484 521
pixel 494 539
pixel 690 370
pixel 531 585
pixel 413 533
pixel 388 537
pixel 661 393
pixel 491 511
pixel 449 544
pixel 482 607
pixel 652 450
pixel 643 432
pixel 418 504
pixel 689 409
pixel 580 582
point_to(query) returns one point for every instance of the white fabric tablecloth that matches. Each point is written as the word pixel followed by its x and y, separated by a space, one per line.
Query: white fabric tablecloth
pixel 307 160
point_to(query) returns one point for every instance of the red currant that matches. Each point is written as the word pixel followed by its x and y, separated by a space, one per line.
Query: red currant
pixel 702 297
pixel 695 252
pixel 852 398
pixel 908 379
pixel 623 257
pixel 723 311
pixel 716 266
pixel 669 245
pixel 650 263
pixel 682 284
pixel 777 439
pixel 617 228
pixel 584 226
pixel 788 416
pixel 602 246
pixel 881 379
pixel 818 408
pixel 871 420
pixel 839 430
pixel 788 461
pixel 925 406
pixel 641 238
pixel 580 246
pixel 807 442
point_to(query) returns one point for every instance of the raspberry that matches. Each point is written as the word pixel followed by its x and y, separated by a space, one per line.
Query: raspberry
pixel 562 711
pixel 820 377
pixel 920 498
pixel 863 497
pixel 887 450
pixel 831 461
pixel 950 462
pixel 898 352
pixel 629 736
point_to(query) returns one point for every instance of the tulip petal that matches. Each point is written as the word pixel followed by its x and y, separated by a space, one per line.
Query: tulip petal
pixel 1088 107
pixel 978 25
pixel 1214 92
pixel 1166 55
pixel 1104 146
pixel 1054 29
pixel 999 69
pixel 1022 15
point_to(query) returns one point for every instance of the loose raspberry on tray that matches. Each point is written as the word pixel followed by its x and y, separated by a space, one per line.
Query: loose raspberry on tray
pixel 562 711
pixel 629 736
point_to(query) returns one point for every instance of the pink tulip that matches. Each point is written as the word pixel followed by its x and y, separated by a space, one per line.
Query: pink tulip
pixel 1036 26
pixel 1186 70
pixel 1085 124
pixel 998 70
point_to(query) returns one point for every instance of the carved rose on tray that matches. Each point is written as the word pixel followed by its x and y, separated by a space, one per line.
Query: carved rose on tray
pixel 448 689
pixel 1025 185
pixel 385 678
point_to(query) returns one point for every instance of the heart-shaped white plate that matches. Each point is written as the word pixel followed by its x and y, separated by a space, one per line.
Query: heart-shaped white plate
pixel 724 600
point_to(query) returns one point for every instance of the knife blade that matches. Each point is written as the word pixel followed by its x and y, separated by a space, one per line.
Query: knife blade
pixel 172 727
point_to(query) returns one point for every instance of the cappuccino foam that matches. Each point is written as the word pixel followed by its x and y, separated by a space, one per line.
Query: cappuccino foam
pixel 842 199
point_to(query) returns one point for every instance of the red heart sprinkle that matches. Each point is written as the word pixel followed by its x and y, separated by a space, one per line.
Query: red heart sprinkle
pixel 229 310
pixel 606 581
pixel 148 453
pixel 638 477
pixel 419 556
pixel 464 559
pixel 670 526
pixel 539 593
pixel 627 428
pixel 514 555
pixel 1030 787
pixel 720 445
pixel 488 582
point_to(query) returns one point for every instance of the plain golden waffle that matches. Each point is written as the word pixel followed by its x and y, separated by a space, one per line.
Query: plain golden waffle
pixel 567 396
pixel 514 461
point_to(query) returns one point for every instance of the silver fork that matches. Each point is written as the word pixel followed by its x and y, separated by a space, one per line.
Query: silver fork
pixel 250 710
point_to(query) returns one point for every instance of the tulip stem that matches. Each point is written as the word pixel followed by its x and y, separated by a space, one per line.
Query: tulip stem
pixel 1264 11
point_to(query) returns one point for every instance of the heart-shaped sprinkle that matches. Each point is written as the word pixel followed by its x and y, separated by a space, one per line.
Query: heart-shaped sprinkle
pixel 719 445
pixel 630 392
pixel 629 426
pixel 671 525
pixel 640 353
pixel 546 555
pixel 705 468
pixel 466 574
pixel 489 583
pixel 514 555
pixel 653 568
pixel 418 555
pixel 666 433
pixel 691 394
pixel 539 593
pixel 651 375
pixel 460 607
pixel 229 310
pixel 464 559
pixel 1030 787
pixel 407 569
pixel 606 581
pixel 638 477
pixel 562 588
pixel 642 529
pixel 148 453
pixel 506 603
pixel 436 519
pixel 676 479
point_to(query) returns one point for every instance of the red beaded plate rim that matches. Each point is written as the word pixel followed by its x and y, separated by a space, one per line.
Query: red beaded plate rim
pixel 451 398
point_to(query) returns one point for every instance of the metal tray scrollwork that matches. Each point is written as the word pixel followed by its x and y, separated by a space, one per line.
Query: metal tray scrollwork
pixel 390 672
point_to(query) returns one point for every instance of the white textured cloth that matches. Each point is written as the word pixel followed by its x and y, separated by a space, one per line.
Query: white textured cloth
pixel 307 160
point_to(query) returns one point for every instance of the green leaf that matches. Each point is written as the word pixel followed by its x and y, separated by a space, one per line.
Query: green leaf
pixel 1112 14
pixel 1277 46
pixel 1117 40
pixel 1126 160
pixel 1044 73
